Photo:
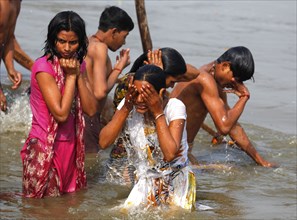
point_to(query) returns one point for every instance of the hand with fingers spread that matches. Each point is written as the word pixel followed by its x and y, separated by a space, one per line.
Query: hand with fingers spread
pixel 123 60
pixel 152 99
pixel 130 95
pixel 154 58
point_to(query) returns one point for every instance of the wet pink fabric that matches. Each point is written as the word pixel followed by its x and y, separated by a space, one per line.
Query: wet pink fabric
pixel 53 155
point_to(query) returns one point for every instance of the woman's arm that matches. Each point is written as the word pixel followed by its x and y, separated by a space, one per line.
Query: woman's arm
pixel 110 132
pixel 169 135
pixel 59 105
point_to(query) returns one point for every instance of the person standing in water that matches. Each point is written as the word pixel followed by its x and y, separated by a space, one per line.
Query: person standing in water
pixel 118 169
pixel 53 154
pixel 153 128
pixel 114 27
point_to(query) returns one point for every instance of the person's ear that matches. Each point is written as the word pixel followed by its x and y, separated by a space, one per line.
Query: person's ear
pixel 226 66
pixel 114 31
pixel 162 93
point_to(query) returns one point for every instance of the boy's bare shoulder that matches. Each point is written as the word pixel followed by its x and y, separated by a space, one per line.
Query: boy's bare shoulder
pixel 96 48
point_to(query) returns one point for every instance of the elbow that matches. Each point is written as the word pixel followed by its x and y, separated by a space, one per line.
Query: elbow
pixel 99 95
pixel 169 157
pixel 103 143
pixel 61 118
pixel 224 130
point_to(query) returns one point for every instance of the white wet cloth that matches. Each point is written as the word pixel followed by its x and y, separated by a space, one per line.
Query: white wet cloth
pixel 158 182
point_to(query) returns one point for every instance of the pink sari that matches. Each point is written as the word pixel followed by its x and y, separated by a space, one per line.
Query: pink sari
pixel 40 176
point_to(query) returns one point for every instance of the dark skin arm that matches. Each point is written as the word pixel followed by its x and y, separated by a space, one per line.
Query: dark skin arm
pixel 225 118
pixel 241 139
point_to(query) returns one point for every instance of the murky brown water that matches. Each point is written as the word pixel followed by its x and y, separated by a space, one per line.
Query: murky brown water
pixel 200 30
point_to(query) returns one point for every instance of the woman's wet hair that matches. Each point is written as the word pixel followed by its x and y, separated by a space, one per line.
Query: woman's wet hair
pixel 66 21
pixel 173 62
pixel 152 74
pixel 241 62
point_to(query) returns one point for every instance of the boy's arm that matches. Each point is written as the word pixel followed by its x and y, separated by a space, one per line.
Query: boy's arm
pixel 241 139
pixel 98 54
pixel 122 61
pixel 224 118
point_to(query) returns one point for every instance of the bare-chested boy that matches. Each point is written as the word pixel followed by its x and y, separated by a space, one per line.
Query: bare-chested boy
pixel 114 26
pixel 207 94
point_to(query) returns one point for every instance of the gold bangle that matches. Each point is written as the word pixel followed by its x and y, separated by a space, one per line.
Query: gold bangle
pixel 158 116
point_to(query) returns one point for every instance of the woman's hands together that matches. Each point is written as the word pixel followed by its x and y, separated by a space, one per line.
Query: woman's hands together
pixel 70 66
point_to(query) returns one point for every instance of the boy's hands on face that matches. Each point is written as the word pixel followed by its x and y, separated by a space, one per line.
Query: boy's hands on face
pixel 238 88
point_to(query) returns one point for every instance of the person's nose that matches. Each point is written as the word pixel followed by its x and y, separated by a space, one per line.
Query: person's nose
pixel 67 47
pixel 139 98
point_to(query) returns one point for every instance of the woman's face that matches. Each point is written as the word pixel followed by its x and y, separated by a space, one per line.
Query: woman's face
pixel 139 103
pixel 67 44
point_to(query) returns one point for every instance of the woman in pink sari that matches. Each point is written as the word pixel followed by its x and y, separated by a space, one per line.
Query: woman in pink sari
pixel 53 155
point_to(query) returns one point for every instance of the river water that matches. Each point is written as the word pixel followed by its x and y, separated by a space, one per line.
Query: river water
pixel 201 31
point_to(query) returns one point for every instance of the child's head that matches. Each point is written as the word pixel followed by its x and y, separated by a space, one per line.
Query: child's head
pixel 241 62
pixel 115 17
pixel 66 21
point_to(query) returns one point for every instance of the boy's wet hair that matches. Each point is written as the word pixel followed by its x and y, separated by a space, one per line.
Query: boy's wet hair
pixel 115 17
pixel 241 62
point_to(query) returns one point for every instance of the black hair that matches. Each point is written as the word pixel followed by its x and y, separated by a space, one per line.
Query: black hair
pixel 241 62
pixel 173 62
pixel 66 21
pixel 152 74
pixel 115 17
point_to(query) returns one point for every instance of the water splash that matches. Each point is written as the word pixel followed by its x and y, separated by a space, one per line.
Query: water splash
pixel 18 116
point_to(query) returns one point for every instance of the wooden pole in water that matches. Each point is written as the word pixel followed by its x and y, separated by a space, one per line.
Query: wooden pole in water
pixel 143 26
